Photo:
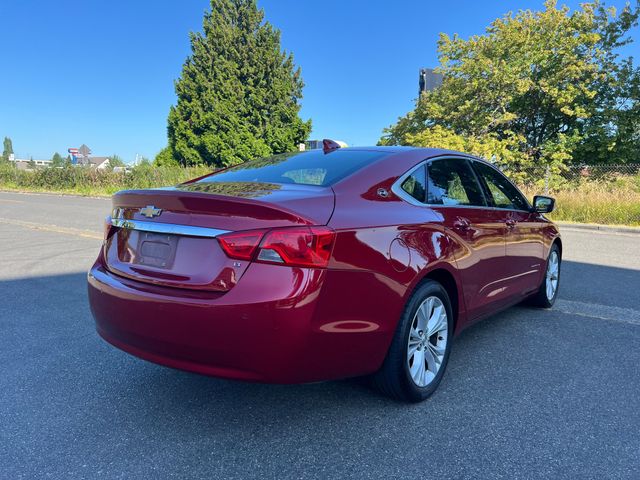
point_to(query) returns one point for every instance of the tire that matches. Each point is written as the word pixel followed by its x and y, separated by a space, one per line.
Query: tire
pixel 412 347
pixel 546 295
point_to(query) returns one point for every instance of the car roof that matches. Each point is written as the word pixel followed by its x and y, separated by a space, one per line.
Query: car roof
pixel 404 158
pixel 427 152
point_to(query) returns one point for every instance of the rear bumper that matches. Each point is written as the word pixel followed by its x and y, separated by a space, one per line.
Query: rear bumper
pixel 277 325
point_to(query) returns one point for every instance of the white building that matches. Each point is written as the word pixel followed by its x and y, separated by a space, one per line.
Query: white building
pixel 99 163
pixel 25 164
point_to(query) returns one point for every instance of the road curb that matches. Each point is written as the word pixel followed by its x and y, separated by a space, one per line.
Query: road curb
pixel 598 227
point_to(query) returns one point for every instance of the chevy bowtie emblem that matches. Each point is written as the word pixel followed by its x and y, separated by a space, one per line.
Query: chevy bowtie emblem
pixel 150 211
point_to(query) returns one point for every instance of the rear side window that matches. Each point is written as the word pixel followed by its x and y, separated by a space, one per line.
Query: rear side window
pixel 415 184
pixel 503 193
pixel 305 168
pixel 452 182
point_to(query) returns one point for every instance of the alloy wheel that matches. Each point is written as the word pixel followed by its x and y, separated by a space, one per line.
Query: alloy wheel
pixel 427 343
pixel 553 267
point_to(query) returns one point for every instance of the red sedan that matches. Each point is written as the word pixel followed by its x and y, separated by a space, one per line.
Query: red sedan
pixel 322 265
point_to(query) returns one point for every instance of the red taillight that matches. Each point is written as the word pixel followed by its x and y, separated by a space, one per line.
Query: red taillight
pixel 241 245
pixel 298 246
pixel 295 246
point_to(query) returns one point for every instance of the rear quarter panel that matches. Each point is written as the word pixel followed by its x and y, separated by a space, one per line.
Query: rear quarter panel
pixel 386 244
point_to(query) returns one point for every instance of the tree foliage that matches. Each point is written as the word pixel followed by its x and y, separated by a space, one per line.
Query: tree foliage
pixel 7 149
pixel 238 95
pixel 165 158
pixel 539 88
pixel 58 161
pixel 115 161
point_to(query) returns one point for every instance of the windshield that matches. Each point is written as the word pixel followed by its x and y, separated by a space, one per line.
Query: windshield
pixel 304 168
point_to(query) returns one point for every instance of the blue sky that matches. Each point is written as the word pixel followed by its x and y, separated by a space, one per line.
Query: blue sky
pixel 102 73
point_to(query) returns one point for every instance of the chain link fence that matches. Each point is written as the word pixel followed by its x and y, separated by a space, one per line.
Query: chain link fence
pixel 603 194
pixel 572 177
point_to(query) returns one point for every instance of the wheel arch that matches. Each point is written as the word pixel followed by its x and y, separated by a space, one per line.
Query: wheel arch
pixel 558 241
pixel 443 274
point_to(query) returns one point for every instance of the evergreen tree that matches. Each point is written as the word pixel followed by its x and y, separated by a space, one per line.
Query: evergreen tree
pixel 238 96
pixel 165 158
pixel 7 149
pixel 57 161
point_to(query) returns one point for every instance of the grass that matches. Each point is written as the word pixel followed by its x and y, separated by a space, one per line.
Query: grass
pixel 616 209
pixel 87 181
pixel 611 201
pixel 604 202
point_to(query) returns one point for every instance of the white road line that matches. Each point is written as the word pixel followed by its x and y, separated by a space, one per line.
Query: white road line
pixel 602 312
pixel 52 228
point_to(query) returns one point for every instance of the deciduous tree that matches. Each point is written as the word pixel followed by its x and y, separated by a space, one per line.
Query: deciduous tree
pixel 541 88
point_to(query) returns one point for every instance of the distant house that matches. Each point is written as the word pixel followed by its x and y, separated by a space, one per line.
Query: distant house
pixel 99 163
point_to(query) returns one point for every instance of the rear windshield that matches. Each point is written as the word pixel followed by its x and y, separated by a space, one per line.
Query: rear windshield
pixel 305 168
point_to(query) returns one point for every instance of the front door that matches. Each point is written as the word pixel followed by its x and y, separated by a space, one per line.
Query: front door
pixel 454 192
pixel 524 241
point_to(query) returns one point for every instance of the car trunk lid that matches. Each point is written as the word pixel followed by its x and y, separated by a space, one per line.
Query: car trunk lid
pixel 168 236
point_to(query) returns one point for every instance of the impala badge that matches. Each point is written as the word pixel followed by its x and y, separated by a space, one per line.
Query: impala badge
pixel 150 211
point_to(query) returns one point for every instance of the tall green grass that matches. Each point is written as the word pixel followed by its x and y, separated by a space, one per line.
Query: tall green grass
pixel 614 202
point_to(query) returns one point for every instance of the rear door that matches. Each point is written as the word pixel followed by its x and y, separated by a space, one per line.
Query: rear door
pixel 453 191
pixel 524 241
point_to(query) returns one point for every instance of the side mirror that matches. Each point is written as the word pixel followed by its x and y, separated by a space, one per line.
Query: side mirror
pixel 542 204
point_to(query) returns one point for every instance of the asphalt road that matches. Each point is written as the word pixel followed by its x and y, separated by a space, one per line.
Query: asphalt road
pixel 528 393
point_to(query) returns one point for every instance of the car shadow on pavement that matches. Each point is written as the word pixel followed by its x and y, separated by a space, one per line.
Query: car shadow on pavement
pixel 48 317
pixel 51 311
pixel 523 370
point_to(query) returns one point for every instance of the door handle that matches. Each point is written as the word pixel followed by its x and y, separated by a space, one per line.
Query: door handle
pixel 511 223
pixel 461 224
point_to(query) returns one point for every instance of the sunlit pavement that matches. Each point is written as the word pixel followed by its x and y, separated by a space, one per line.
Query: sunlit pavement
pixel 528 393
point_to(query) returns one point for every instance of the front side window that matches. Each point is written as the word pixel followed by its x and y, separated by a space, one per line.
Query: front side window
pixel 451 182
pixel 503 193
